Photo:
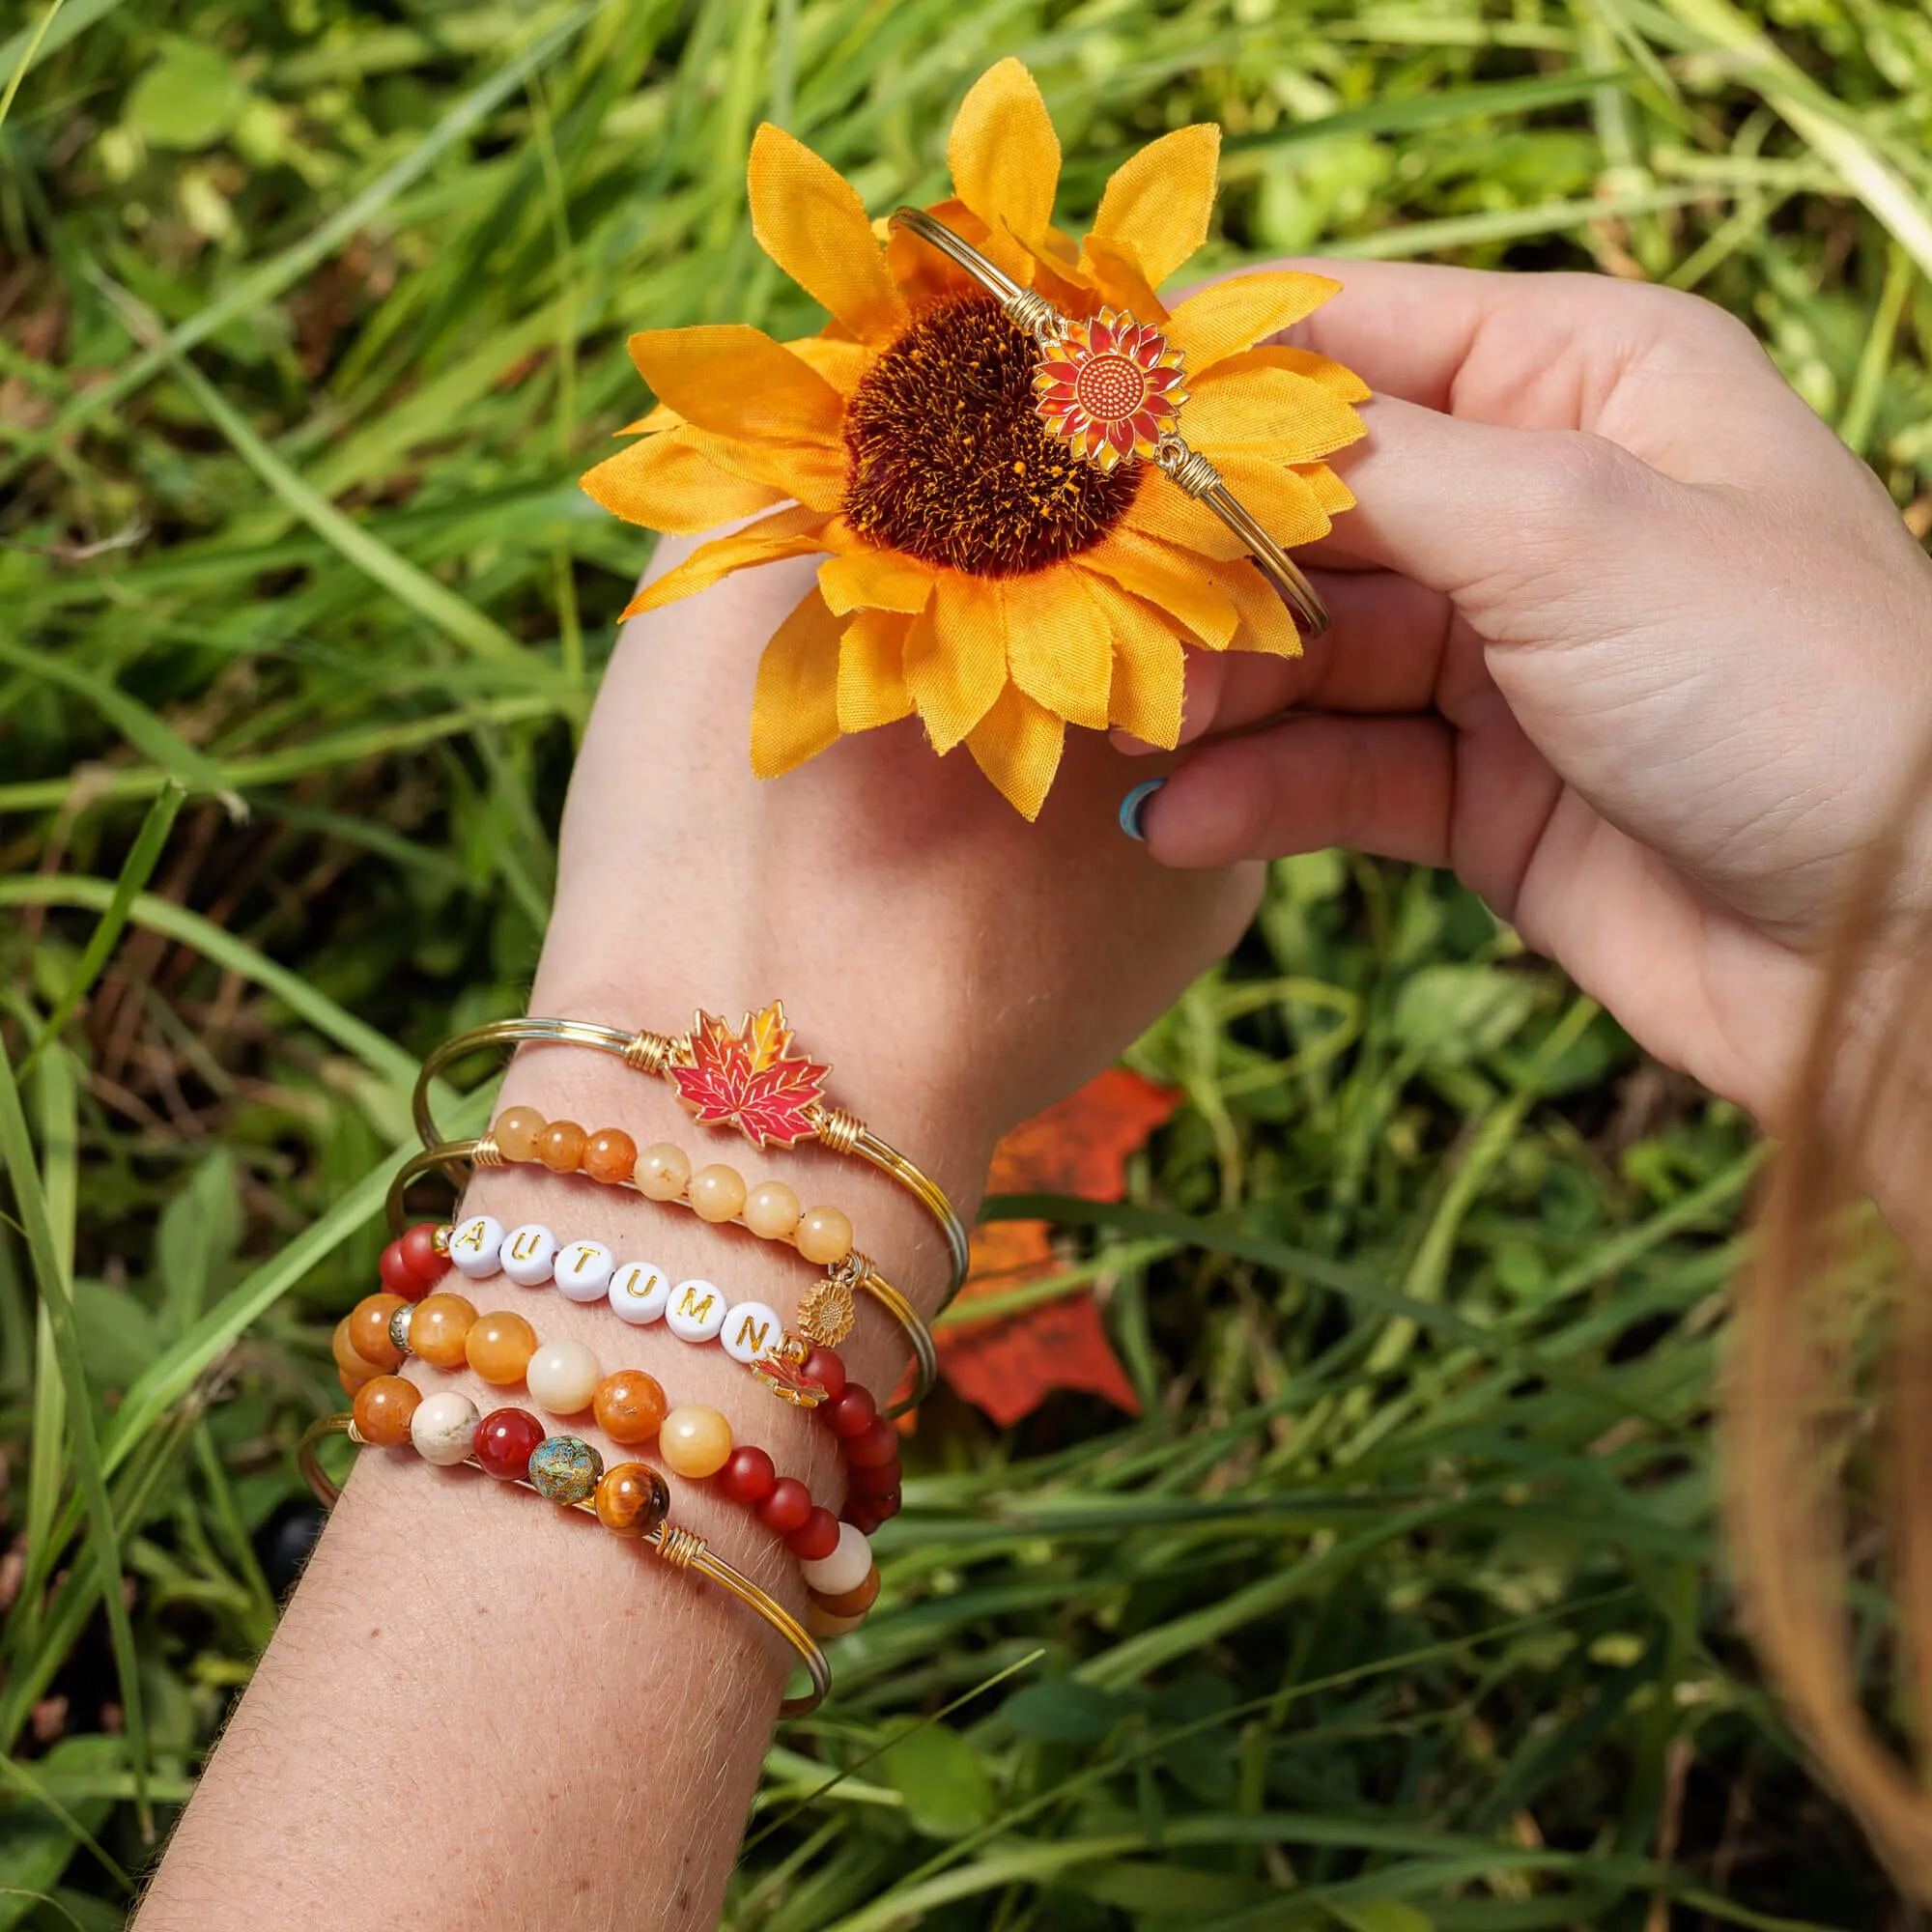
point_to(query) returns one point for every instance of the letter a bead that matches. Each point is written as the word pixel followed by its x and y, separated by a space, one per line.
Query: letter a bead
pixel 528 1252
pixel 582 1271
pixel 696 1310
pixel 475 1245
pixel 639 1291
pixel 750 1329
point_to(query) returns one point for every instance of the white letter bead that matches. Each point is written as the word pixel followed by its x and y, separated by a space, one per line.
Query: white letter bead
pixel 750 1329
pixel 845 1569
pixel 527 1254
pixel 475 1245
pixel 443 1428
pixel 639 1291
pixel 562 1376
pixel 582 1271
pixel 696 1310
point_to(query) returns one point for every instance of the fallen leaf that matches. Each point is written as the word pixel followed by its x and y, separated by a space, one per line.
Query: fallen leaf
pixel 1008 1364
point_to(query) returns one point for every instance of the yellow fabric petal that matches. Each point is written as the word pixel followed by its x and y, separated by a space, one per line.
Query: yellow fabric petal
pixel 664 483
pixel 956 657
pixel 1017 745
pixel 812 472
pixel 1058 646
pixel 811 221
pixel 1164 510
pixel 737 382
pixel 875 580
pixel 793 533
pixel 1265 625
pixel 1004 154
pixel 1227 317
pixel 659 419
pixel 1158 202
pixel 795 708
pixel 842 364
pixel 872 671
pixel 1167 579
pixel 1271 412
pixel 1116 276
pixel 1335 376
pixel 1330 492
pixel 1283 504
pixel 1150 667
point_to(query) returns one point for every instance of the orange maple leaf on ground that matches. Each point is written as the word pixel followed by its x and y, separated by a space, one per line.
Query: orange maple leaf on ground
pixel 1008 1365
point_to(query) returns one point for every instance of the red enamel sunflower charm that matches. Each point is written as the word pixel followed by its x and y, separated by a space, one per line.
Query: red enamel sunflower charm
pixel 1111 388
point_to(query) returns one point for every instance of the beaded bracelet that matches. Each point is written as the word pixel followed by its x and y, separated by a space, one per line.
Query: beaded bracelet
pixel 825 1310
pixel 696 1442
pixel 743 1079
pixel 679 1548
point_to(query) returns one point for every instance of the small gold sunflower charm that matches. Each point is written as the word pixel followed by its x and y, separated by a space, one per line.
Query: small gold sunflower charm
pixel 827 1311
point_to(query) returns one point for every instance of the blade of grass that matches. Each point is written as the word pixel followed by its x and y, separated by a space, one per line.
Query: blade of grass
pixel 33 37
pixel 16 1153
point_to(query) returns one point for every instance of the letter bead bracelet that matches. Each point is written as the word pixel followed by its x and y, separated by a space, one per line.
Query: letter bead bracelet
pixel 745 1078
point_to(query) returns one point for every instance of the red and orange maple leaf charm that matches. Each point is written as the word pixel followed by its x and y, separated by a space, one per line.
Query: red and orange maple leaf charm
pixel 744 1079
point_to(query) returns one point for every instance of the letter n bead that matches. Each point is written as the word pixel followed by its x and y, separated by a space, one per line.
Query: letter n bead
pixel 696 1310
pixel 750 1329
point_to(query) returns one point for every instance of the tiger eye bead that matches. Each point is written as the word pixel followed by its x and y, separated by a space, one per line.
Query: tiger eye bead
pixel 369 1329
pixel 853 1602
pixel 609 1155
pixel 694 1440
pixel 498 1348
pixel 716 1192
pixel 632 1499
pixel 824 1236
pixel 439 1328
pixel 629 1406
pixel 384 1406
pixel 560 1147
pixel 771 1210
pixel 516 1133
pixel 662 1171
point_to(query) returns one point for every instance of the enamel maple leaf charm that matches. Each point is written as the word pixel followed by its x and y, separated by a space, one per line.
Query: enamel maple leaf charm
pixel 744 1079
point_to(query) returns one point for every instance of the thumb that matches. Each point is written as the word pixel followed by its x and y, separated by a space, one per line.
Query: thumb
pixel 1529 531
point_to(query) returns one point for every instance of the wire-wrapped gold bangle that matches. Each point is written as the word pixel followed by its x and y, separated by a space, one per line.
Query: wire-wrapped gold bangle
pixel 679 1548
pixel 806 1116
pixel 448 1156
pixel 1102 389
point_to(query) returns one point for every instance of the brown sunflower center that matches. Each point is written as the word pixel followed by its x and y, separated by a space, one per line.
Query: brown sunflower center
pixel 949 460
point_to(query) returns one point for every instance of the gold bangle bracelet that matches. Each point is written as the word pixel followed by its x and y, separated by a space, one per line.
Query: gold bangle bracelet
pixel 1104 395
pixel 447 1156
pixel 666 1056
pixel 679 1548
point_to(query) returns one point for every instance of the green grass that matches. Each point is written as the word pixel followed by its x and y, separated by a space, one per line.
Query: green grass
pixel 1404 1606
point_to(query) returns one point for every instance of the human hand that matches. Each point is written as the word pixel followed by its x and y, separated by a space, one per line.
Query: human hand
pixel 1622 633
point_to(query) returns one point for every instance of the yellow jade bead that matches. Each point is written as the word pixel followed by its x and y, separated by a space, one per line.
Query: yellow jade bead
pixel 695 1441
pixel 824 1236
pixel 716 1192
pixel 662 1171
pixel 771 1210
pixel 517 1131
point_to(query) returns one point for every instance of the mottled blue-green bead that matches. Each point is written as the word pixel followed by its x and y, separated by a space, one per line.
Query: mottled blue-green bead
pixel 564 1469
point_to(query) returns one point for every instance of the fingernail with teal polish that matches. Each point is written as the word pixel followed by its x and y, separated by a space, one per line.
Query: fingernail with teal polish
pixel 1134 804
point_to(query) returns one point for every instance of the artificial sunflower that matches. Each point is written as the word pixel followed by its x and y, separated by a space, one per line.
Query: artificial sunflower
pixel 978 569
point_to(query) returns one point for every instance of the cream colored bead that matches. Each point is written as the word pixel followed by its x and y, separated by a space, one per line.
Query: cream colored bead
pixel 771 1210
pixel 696 1310
pixel 639 1291
pixel 662 1171
pixel 750 1329
pixel 845 1569
pixel 475 1245
pixel 716 1192
pixel 582 1271
pixel 528 1254
pixel 443 1428
pixel 562 1376
pixel 695 1441
pixel 824 1236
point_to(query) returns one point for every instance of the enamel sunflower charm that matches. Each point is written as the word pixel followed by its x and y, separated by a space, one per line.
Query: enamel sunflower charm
pixel 1111 388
